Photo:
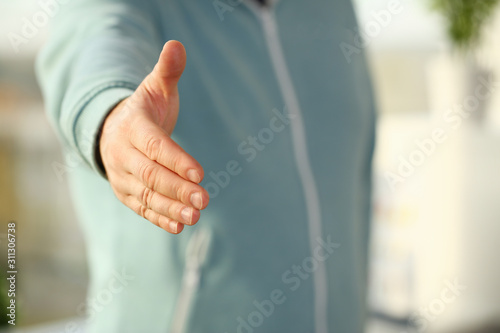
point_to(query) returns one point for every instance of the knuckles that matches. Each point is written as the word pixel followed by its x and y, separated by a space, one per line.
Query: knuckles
pixel 142 211
pixel 147 171
pixel 153 147
pixel 146 196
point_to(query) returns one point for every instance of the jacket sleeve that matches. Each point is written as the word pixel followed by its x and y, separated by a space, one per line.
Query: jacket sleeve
pixel 97 54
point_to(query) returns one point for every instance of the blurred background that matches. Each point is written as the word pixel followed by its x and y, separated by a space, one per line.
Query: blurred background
pixel 435 264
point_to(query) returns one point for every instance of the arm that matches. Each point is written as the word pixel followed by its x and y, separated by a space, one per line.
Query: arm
pixel 99 57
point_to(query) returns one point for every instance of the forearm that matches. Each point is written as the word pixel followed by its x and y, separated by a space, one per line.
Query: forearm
pixel 97 55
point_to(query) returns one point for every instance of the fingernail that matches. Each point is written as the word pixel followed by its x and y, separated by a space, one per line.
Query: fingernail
pixel 187 214
pixel 196 200
pixel 193 176
pixel 173 226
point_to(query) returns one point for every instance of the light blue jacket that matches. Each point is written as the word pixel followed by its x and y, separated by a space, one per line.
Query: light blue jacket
pixel 283 125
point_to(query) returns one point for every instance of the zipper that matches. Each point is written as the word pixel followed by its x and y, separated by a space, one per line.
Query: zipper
pixel 196 255
pixel 266 15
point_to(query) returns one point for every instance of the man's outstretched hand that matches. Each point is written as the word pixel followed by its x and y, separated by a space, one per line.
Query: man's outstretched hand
pixel 148 171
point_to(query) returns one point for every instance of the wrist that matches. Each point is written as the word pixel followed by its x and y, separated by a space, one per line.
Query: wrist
pixel 98 151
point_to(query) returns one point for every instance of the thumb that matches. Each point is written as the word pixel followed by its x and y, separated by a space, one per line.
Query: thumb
pixel 169 68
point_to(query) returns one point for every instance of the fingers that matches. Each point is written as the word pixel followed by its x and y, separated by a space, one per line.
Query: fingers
pixel 154 143
pixel 157 202
pixel 162 180
pixel 157 219
pixel 164 212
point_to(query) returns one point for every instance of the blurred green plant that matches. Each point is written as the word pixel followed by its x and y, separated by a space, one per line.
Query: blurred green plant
pixel 465 19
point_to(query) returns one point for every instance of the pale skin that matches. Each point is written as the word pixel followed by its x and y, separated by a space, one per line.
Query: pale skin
pixel 149 172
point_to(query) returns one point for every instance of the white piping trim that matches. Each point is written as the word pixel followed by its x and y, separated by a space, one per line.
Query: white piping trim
pixel 196 255
pixel 302 161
